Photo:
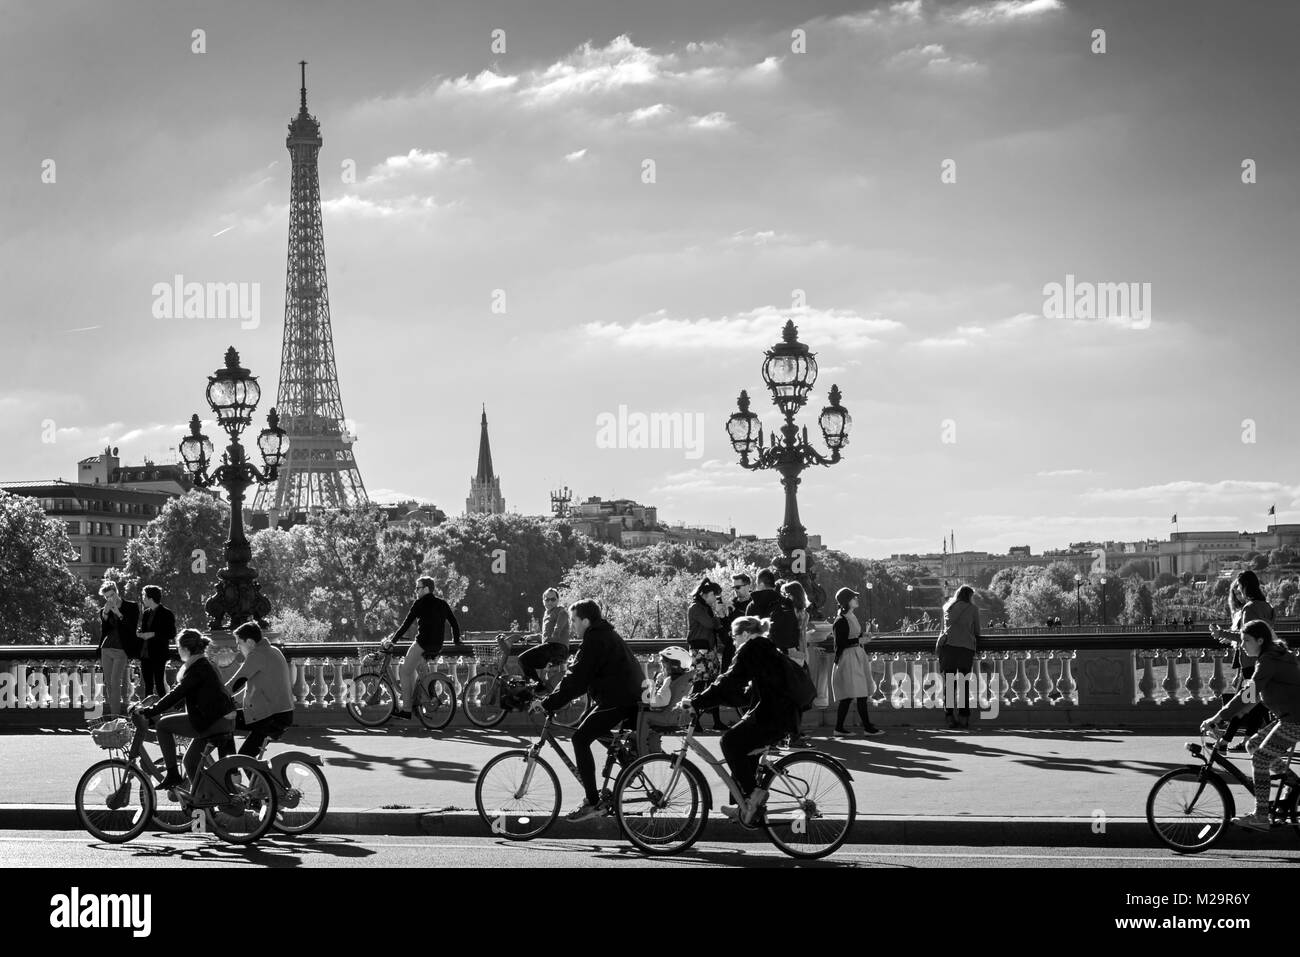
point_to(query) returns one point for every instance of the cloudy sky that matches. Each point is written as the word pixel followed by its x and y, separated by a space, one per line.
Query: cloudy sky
pixel 782 161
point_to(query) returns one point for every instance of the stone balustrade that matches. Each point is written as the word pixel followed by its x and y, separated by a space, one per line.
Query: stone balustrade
pixel 1066 679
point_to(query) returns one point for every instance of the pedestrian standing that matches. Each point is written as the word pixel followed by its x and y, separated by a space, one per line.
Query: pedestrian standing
pixel 850 679
pixel 157 631
pixel 705 619
pixel 118 644
pixel 793 594
pixel 956 647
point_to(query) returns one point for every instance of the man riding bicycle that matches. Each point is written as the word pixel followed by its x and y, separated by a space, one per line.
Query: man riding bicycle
pixel 433 615
pixel 760 662
pixel 554 649
pixel 1275 682
pixel 608 673
pixel 267 706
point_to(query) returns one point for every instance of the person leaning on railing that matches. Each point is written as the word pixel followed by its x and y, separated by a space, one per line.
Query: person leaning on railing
pixel 1275 682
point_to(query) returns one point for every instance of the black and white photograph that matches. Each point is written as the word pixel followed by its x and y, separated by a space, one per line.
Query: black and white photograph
pixel 731 444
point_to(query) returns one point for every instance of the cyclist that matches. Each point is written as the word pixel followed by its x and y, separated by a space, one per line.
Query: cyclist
pixel 1276 681
pixel 607 672
pixel 209 709
pixel 554 649
pixel 760 662
pixel 268 697
pixel 433 615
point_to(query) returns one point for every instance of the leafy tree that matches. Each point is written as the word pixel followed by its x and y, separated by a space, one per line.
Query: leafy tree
pixel 1038 599
pixel 43 598
pixel 1138 607
pixel 180 551
pixel 637 605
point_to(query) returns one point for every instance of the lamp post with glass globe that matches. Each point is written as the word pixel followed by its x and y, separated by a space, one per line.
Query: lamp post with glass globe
pixel 790 371
pixel 233 394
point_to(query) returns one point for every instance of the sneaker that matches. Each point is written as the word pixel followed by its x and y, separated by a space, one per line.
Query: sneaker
pixel 841 733
pixel 585 812
pixel 872 730
pixel 1253 822
pixel 170 783
pixel 803 741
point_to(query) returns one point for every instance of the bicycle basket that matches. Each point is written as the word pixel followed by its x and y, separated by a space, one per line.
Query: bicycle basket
pixel 112 734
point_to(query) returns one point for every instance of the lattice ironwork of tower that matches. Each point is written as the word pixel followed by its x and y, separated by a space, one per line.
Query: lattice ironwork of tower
pixel 320 469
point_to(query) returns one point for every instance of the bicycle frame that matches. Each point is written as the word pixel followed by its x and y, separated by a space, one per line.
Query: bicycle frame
pixel 205 792
pixel 689 744
pixel 1209 755
pixel 612 744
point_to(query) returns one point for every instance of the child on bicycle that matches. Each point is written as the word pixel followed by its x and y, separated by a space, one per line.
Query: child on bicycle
pixel 662 700
pixel 1275 682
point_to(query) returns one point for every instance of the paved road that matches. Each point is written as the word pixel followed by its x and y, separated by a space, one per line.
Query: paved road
pixel 52 849
pixel 1012 773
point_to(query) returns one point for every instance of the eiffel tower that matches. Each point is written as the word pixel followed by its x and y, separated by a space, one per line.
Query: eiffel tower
pixel 319 470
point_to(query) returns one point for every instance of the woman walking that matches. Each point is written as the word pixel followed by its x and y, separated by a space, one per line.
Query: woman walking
pixel 956 646
pixel 850 678
pixel 705 619
pixel 793 594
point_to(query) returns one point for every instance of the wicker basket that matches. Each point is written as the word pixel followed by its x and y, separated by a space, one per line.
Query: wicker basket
pixel 112 734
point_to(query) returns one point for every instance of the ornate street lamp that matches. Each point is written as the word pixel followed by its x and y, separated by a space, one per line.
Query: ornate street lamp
pixel 790 371
pixel 1078 599
pixel 1103 601
pixel 233 394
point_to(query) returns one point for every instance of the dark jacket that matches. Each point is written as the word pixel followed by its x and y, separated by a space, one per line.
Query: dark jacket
pixel 126 629
pixel 961 626
pixel 203 692
pixel 758 661
pixel 604 670
pixel 1253 610
pixel 434 615
pixel 704 628
pixel 1277 686
pixel 843 639
pixel 763 603
pixel 162 622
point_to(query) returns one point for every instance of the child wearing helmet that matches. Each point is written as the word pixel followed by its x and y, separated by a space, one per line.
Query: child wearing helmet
pixel 667 689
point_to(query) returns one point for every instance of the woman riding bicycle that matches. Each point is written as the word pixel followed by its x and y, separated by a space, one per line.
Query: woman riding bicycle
pixel 209 709
pixel 759 661
pixel 1276 682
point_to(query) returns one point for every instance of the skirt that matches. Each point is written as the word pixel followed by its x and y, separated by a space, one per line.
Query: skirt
pixel 850 678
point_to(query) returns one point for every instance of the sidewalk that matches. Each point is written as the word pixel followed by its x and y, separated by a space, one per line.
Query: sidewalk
pixel 1044 787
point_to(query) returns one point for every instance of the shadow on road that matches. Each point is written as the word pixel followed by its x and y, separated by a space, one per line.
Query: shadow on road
pixel 279 851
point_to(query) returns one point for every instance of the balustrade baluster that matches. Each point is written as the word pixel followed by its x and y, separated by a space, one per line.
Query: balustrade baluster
pixel 871 676
pixel 886 686
pixel 1147 685
pixel 299 683
pixel 1171 684
pixel 1020 684
pixel 1043 683
pixel 1218 683
pixel 1194 681
pixel 337 687
pixel 1067 688
pixel 320 686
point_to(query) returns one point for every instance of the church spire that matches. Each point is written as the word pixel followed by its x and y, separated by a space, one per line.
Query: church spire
pixel 485 486
pixel 485 473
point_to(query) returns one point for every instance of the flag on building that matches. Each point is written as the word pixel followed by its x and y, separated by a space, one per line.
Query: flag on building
pixel 1174 520
pixel 1272 510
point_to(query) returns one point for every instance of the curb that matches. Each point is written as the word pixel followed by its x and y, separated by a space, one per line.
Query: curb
pixel 960 831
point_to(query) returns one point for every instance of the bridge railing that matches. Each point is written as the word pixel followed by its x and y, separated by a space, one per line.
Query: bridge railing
pixel 1059 678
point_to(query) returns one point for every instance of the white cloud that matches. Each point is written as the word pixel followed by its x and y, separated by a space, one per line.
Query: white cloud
pixel 818 328
pixel 353 205
pixel 576 155
pixel 1055 473
pixel 934 58
pixel 712 477
pixel 485 82
pixel 1001 11
pixel 1199 492
pixel 648 113
pixel 388 496
pixel 416 160
pixel 712 121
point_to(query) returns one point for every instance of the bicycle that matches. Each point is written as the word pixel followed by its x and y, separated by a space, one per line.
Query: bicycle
pixel 518 793
pixel 493 693
pixel 1189 808
pixel 302 795
pixel 374 698
pixel 116 798
pixel 662 801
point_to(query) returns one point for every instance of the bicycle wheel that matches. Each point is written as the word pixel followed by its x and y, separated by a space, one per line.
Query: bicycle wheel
pixel 435 702
pixel 169 814
pixel 571 714
pixel 114 801
pixel 373 700
pixel 483 704
pixel 249 808
pixel 303 799
pixel 508 812
pixel 658 819
pixel 810 805
pixel 1188 809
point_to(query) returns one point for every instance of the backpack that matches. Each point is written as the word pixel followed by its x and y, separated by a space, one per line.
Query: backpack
pixel 797 685
pixel 784 630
